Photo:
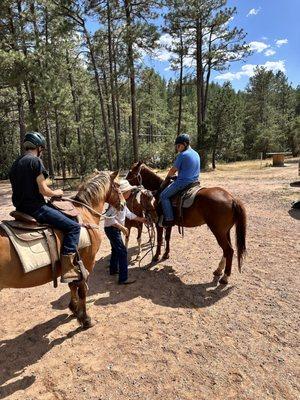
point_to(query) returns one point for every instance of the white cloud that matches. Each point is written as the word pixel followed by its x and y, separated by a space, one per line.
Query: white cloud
pixel 270 52
pixel 253 11
pixel 248 70
pixel 258 46
pixel 280 42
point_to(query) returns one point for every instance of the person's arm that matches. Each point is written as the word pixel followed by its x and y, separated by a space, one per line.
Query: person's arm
pixel 130 215
pixel 172 171
pixel 121 228
pixel 45 190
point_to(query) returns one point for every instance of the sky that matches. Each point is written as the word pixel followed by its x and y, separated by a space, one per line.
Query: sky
pixel 273 33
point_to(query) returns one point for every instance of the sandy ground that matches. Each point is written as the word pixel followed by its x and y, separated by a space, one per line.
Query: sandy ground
pixel 175 334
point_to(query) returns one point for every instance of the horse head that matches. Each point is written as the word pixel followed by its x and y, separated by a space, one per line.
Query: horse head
pixel 115 196
pixel 134 175
pixel 148 204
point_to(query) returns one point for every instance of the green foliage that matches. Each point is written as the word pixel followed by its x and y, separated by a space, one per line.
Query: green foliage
pixel 47 82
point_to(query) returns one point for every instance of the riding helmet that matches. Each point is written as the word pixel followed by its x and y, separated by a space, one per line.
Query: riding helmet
pixel 183 138
pixel 35 138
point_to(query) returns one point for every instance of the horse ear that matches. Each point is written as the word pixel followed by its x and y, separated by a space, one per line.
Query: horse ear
pixel 139 164
pixel 114 174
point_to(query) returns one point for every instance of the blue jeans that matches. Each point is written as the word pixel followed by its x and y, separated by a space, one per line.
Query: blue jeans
pixel 165 195
pixel 56 219
pixel 118 259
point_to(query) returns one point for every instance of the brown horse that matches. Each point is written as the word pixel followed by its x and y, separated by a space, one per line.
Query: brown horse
pixel 94 192
pixel 142 203
pixel 212 206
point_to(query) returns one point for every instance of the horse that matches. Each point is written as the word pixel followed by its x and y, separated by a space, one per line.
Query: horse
pixel 92 195
pixel 141 202
pixel 212 206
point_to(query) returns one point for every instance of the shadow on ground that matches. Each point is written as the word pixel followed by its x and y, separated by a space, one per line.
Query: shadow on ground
pixel 26 349
pixel 157 282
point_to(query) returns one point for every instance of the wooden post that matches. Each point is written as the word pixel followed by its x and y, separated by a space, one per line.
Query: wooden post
pixel 278 160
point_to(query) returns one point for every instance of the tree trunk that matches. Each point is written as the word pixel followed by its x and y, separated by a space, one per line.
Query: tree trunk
pixel 132 82
pixel 180 88
pixel 100 95
pixel 58 144
pixel 200 95
pixel 21 116
pixel 112 87
pixel 77 114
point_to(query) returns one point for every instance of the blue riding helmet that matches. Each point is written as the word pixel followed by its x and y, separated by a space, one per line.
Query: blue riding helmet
pixel 35 138
pixel 183 138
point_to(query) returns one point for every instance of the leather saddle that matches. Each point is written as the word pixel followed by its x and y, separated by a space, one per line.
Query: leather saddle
pixel 27 229
pixel 185 198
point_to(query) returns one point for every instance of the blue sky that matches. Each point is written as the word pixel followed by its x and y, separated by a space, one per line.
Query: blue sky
pixel 273 31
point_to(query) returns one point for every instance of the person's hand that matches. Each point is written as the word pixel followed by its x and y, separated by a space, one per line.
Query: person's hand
pixel 144 221
pixel 125 231
pixel 58 193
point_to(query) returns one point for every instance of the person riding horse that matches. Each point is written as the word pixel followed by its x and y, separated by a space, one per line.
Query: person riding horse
pixel 28 180
pixel 187 166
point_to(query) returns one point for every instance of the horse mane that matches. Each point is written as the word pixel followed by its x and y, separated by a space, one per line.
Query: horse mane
pixel 157 180
pixel 94 188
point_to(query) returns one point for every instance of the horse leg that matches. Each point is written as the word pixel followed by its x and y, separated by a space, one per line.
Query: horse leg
pixel 221 266
pixel 74 298
pixel 127 237
pixel 225 243
pixel 167 239
pixel 159 231
pixel 82 316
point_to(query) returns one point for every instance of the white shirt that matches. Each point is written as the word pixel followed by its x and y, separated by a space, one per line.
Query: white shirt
pixel 113 216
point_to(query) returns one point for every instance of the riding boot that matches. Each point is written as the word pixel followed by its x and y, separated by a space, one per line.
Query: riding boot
pixel 69 271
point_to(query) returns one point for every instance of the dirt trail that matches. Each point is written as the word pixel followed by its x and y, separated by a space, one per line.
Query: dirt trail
pixel 175 334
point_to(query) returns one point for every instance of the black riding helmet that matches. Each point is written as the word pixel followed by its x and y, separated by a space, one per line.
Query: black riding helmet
pixel 35 138
pixel 183 138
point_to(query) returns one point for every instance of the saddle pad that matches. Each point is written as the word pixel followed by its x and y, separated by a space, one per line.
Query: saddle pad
pixel 34 254
pixel 189 196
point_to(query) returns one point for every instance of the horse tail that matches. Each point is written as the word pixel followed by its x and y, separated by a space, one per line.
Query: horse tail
pixel 240 230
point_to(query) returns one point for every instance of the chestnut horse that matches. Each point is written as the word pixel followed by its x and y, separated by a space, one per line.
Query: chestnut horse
pixel 94 192
pixel 212 206
pixel 142 203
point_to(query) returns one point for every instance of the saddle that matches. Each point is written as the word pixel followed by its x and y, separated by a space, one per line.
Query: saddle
pixel 185 198
pixel 36 244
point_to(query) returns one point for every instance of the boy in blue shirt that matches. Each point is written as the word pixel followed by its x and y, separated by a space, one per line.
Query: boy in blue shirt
pixel 187 165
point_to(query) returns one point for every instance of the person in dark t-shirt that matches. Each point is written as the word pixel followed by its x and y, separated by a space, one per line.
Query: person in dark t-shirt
pixel 29 186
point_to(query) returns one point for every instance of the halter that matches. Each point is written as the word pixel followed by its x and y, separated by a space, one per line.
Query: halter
pixel 138 176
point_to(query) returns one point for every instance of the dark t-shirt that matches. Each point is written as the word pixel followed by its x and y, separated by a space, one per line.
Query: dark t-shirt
pixel 23 173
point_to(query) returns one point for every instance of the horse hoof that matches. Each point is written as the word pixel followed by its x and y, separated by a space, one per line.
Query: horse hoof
pixel 217 273
pixel 165 257
pixel 155 259
pixel 87 323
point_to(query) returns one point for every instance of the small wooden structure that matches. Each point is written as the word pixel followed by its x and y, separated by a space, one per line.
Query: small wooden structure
pixel 66 182
pixel 278 158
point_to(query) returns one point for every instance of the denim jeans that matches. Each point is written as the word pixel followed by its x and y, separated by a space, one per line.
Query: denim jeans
pixel 165 195
pixel 118 259
pixel 56 219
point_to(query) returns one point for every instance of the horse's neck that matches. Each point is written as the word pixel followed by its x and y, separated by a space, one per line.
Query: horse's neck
pixel 88 216
pixel 151 180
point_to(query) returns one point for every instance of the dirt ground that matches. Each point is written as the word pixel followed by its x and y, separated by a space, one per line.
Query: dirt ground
pixel 175 334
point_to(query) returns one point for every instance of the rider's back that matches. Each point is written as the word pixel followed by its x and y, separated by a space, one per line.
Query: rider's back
pixel 188 166
pixel 24 171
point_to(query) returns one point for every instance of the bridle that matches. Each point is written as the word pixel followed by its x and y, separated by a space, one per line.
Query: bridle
pixel 138 176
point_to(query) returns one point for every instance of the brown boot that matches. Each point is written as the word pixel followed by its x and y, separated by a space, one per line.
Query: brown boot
pixel 69 271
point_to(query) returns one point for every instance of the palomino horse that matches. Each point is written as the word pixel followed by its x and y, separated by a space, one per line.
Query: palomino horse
pixel 142 203
pixel 212 206
pixel 94 192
